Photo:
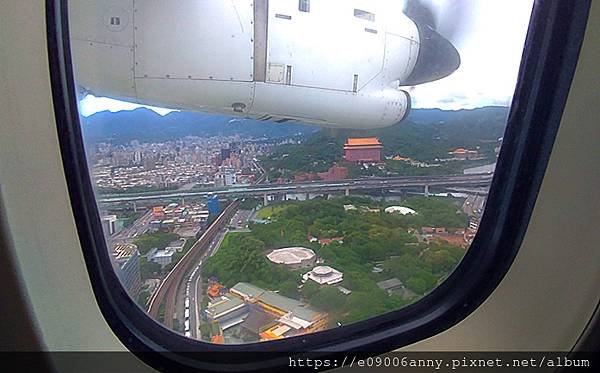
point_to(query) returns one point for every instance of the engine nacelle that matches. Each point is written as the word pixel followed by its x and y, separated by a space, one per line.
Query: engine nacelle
pixel 335 63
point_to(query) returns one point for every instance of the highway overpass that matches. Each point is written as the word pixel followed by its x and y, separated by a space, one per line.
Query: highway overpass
pixel 473 180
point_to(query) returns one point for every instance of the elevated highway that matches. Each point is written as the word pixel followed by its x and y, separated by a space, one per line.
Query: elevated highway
pixel 472 180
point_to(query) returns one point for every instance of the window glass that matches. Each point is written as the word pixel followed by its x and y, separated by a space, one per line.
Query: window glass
pixel 285 176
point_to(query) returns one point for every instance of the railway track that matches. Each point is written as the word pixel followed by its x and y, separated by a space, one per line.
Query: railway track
pixel 167 290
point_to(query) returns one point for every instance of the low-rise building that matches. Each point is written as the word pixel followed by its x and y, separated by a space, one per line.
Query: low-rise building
pixel 177 245
pixel 395 286
pixel 464 154
pixel 293 257
pixel 305 176
pixel 334 173
pixel 344 291
pixel 390 285
pixel 369 209
pixel 324 275
pixel 329 241
pixel 286 311
pixel 452 236
pixel 257 322
pixel 228 310
pixel 162 256
pixel 216 290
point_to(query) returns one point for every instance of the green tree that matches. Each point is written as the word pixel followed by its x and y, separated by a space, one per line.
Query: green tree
pixel 148 241
pixel 309 289
pixel 149 269
pixel 289 288
pixel 422 282
pixel 364 305
pixel 327 298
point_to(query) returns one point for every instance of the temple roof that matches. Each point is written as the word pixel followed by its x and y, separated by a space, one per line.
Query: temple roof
pixel 363 141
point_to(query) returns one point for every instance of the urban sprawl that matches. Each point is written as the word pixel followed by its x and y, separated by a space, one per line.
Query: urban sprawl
pixel 282 264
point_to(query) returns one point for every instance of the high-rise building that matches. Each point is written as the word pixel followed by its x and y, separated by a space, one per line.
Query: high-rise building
pixel 109 224
pixel 225 153
pixel 137 157
pixel 149 163
pixel 127 260
pixel 225 176
pixel 121 159
pixel 213 204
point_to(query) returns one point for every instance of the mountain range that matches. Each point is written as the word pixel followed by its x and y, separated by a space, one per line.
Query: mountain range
pixel 147 126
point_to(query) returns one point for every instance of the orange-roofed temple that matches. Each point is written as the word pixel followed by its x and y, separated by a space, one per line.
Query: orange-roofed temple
pixel 366 149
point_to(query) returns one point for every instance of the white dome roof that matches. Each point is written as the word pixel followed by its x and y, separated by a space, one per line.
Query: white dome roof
pixel 291 255
pixel 400 209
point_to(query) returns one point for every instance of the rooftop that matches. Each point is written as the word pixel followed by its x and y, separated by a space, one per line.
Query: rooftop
pixel 257 320
pixel 363 141
pixel 291 255
pixel 322 270
pixel 400 209
pixel 285 304
pixel 162 253
pixel 390 284
pixel 124 250
pixel 247 290
pixel 462 151
pixel 324 275
pixel 178 244
pixel 224 306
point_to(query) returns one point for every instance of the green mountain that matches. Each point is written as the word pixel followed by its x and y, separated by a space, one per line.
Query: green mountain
pixel 147 126
pixel 426 135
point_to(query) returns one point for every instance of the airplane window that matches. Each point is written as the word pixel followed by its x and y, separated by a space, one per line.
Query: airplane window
pixel 236 205
pixel 304 5
pixel 247 210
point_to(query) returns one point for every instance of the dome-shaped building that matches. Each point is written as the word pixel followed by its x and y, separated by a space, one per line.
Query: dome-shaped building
pixel 324 275
pixel 400 210
pixel 293 257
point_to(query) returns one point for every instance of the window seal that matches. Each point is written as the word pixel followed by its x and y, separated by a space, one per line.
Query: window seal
pixel 549 60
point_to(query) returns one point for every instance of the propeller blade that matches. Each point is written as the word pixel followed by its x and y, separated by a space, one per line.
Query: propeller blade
pixel 437 56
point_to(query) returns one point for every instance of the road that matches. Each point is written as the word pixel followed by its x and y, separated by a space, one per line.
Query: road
pixel 261 170
pixel 240 219
pixel 193 293
pixel 193 296
pixel 139 227
pixel 459 180
pixel 194 289
pixel 168 289
pixel 474 205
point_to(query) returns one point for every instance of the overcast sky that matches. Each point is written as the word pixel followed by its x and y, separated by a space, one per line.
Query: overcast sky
pixel 489 35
